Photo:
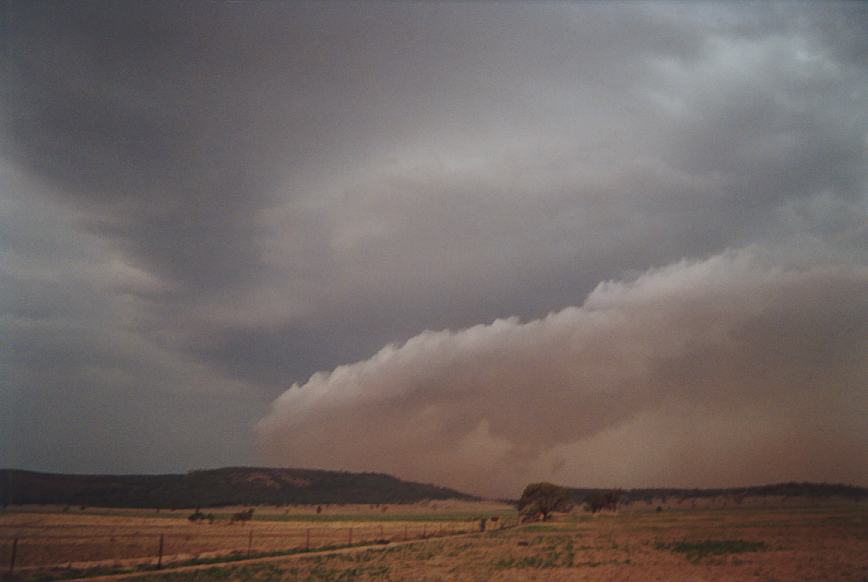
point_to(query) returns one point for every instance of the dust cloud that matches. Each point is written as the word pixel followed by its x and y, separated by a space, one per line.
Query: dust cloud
pixel 729 370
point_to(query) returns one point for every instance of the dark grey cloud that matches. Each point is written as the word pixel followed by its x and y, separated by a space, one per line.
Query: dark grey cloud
pixel 211 201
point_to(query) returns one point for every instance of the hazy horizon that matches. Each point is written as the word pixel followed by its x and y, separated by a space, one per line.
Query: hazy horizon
pixel 475 244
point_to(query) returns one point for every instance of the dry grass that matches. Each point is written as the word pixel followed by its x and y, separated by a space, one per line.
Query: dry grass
pixel 111 538
pixel 818 543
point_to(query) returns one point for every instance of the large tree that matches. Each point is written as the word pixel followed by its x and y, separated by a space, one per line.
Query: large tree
pixel 542 499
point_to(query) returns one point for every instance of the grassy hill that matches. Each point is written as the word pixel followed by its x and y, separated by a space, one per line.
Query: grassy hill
pixel 212 488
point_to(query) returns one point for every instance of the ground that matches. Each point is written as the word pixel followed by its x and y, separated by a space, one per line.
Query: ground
pixel 808 542
pixel 68 539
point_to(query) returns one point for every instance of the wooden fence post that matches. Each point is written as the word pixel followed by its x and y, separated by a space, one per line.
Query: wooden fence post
pixel 160 553
pixel 13 556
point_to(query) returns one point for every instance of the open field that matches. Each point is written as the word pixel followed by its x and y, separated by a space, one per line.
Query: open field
pixel 819 542
pixel 74 538
pixel 828 542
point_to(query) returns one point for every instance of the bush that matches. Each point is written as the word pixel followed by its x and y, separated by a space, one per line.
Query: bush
pixel 603 500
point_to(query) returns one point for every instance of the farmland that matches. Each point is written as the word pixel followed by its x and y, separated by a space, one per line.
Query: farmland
pixel 791 540
pixel 52 538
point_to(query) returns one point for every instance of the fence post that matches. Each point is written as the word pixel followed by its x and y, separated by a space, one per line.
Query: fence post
pixel 14 555
pixel 160 553
pixel 249 541
pixel 307 539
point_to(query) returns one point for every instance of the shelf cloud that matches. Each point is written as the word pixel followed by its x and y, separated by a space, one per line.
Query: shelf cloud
pixel 203 203
pixel 487 407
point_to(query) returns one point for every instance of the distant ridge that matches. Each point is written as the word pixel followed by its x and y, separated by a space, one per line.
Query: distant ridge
pixel 215 487
pixel 786 490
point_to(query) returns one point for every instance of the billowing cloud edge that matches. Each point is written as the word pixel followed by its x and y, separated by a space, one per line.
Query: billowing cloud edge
pixel 733 343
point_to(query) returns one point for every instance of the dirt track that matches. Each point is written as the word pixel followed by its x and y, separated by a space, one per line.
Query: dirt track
pixel 288 557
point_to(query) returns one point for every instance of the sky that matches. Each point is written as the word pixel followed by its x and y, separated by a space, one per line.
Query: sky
pixel 475 243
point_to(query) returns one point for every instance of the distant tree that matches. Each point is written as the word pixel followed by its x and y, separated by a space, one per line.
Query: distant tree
pixel 542 499
pixel 242 516
pixel 603 500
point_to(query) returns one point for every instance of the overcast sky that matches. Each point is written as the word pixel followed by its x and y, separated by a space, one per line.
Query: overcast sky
pixel 625 243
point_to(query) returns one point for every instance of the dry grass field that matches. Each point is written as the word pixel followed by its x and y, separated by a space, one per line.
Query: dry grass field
pixel 56 538
pixel 819 542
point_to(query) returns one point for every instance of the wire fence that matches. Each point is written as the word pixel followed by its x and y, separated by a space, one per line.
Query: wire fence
pixel 44 548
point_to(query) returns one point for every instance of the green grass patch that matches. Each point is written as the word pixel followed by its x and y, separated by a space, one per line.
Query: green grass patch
pixel 530 528
pixel 375 517
pixel 550 552
pixel 605 563
pixel 526 562
pixel 696 551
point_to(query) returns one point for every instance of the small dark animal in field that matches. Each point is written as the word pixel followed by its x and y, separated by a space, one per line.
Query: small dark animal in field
pixel 196 516
pixel 242 516
pixel 199 516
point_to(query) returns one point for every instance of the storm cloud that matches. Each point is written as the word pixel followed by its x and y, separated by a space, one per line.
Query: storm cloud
pixel 204 203
pixel 726 338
